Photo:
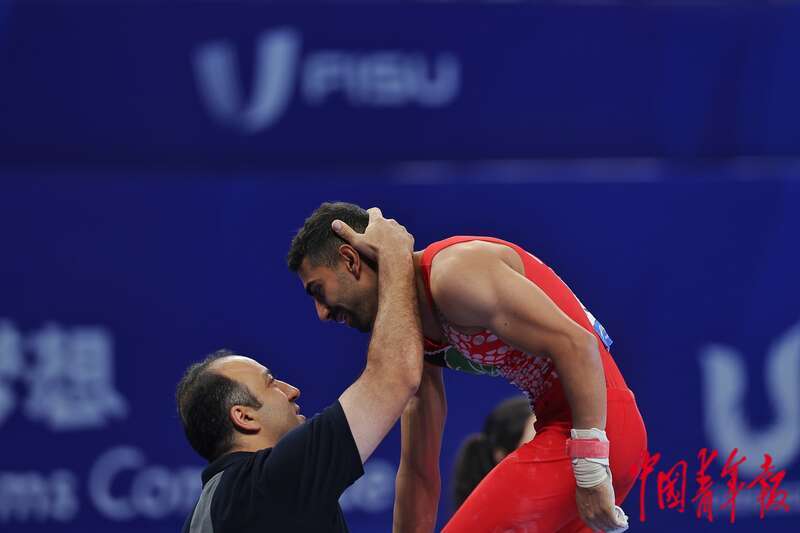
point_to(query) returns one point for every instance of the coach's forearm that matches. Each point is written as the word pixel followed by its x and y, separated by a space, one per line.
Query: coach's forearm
pixel 395 348
pixel 376 400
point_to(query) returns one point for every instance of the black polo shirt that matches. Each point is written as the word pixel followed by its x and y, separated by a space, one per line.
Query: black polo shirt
pixel 294 486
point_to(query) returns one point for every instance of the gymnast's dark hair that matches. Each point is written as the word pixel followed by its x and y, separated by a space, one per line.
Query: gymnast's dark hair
pixel 317 241
pixel 204 400
pixel 502 430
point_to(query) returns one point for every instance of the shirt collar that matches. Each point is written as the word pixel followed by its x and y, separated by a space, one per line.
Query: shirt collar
pixel 222 463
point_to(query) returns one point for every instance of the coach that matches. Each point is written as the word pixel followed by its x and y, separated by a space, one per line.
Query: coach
pixel 270 469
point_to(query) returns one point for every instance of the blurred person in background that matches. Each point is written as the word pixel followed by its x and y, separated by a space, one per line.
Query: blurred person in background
pixel 508 426
pixel 270 470
pixel 490 307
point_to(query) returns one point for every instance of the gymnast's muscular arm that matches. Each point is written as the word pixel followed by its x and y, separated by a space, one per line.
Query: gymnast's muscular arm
pixel 418 481
pixel 475 284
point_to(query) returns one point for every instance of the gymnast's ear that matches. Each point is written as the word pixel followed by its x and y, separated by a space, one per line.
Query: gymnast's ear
pixel 351 260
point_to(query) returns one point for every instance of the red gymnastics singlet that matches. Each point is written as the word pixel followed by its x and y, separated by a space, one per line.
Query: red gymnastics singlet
pixel 533 489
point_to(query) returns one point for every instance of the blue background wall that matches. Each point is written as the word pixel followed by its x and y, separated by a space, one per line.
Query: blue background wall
pixel 137 234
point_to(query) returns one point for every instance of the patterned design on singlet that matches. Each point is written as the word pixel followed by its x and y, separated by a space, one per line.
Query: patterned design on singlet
pixel 533 374
pixel 451 358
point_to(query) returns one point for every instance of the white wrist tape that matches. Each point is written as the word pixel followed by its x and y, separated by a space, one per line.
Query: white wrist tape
pixel 590 471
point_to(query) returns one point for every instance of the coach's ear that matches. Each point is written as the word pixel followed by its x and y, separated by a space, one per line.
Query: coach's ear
pixel 351 260
pixel 243 419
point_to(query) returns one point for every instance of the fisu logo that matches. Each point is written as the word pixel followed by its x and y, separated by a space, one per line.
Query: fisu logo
pixel 358 79
pixel 276 66
pixel 724 395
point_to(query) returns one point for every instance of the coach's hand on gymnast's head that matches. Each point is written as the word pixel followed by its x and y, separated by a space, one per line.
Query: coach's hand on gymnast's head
pixel 382 238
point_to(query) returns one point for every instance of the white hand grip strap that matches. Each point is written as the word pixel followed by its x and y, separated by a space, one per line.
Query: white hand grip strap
pixel 589 471
pixel 589 450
